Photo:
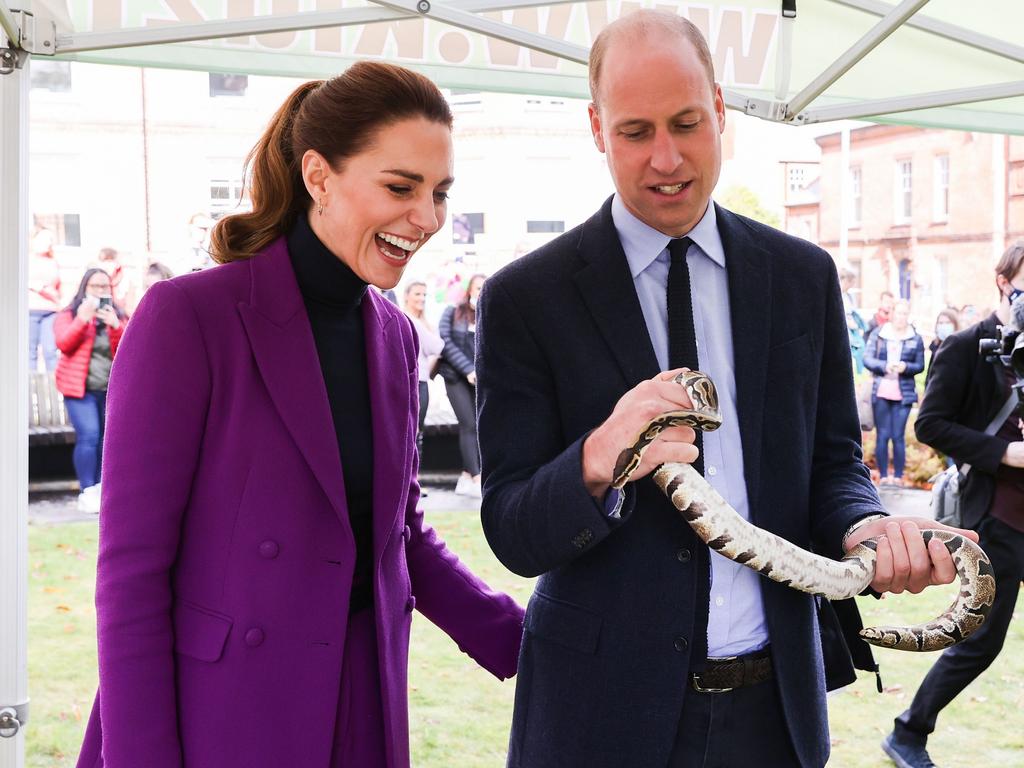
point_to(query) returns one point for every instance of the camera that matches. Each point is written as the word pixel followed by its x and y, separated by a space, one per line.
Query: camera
pixel 1008 349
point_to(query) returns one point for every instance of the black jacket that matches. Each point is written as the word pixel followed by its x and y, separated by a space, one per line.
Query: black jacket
pixel 620 603
pixel 963 395
pixel 457 356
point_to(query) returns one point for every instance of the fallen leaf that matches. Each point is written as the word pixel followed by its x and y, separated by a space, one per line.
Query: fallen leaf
pixel 64 608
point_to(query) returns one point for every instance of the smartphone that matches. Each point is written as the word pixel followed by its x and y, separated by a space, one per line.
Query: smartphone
pixel 104 302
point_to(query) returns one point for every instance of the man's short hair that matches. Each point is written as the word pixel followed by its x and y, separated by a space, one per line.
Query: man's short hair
pixel 1011 261
pixel 639 25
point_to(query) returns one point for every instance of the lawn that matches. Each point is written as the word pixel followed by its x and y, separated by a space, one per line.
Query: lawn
pixel 459 714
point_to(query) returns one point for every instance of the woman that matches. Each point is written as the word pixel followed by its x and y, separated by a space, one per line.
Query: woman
pixel 894 353
pixel 88 333
pixel 458 329
pixel 431 344
pixel 261 550
pixel 947 322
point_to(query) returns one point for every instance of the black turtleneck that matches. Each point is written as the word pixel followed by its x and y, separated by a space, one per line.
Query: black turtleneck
pixel 333 294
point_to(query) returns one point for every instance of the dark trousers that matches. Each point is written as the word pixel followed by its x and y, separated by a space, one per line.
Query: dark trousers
pixel 891 425
pixel 87 415
pixel 960 665
pixel 424 401
pixel 741 728
pixel 462 396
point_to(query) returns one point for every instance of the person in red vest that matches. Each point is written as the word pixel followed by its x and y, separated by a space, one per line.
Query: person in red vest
pixel 87 334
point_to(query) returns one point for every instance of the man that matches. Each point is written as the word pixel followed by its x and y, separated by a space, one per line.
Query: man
pixel 573 360
pixel 970 413
pixel 882 314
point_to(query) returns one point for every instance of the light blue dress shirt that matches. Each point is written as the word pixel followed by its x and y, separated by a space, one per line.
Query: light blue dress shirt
pixel 736 622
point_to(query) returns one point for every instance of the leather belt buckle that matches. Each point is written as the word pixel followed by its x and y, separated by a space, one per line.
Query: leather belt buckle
pixel 700 689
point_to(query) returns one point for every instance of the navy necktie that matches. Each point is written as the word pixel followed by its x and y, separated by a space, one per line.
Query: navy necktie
pixel 682 338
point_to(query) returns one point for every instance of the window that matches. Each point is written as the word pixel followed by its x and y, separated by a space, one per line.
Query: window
pixel 227 196
pixel 539 225
pixel 856 200
pixel 228 85
pixel 466 226
pixel 940 192
pixel 796 177
pixel 904 191
pixel 66 227
pixel 50 75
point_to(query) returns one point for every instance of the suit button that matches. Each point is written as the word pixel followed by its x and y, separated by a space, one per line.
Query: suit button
pixel 254 637
pixel 410 604
pixel 269 550
pixel 680 644
pixel 407 534
pixel 683 555
pixel 581 539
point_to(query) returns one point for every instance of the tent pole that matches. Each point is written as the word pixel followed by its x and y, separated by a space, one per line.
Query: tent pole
pixel 14 85
pixel 860 109
pixel 856 52
pixel 952 32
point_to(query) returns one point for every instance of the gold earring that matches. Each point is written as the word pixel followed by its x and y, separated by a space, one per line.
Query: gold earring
pixel 320 207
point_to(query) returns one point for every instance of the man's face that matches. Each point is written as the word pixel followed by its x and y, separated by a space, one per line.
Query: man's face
pixel 659 121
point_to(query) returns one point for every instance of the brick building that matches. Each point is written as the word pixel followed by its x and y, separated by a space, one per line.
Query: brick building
pixel 927 213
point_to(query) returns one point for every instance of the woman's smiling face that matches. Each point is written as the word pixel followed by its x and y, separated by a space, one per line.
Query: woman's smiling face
pixel 381 205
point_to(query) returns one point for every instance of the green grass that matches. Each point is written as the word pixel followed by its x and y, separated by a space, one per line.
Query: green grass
pixel 460 714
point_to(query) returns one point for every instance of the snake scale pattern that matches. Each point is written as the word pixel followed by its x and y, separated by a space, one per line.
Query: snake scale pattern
pixel 720 527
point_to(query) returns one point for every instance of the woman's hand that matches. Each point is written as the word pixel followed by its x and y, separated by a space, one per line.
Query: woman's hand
pixel 108 316
pixel 471 377
pixel 87 309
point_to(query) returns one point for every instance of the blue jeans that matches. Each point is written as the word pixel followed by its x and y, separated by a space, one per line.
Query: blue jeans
pixel 891 424
pixel 40 333
pixel 87 415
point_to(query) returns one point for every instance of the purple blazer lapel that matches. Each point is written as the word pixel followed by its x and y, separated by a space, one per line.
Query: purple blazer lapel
pixel 282 343
pixel 388 372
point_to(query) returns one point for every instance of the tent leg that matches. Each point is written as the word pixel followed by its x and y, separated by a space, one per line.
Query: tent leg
pixel 13 410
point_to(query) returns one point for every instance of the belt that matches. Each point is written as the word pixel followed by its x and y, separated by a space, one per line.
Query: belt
pixel 721 675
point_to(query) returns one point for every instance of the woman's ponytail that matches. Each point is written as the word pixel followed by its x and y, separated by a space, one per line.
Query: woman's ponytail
pixel 275 184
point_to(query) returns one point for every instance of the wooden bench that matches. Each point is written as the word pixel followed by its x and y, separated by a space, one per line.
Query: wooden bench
pixel 48 422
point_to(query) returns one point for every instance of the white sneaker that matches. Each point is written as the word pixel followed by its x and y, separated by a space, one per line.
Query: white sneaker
pixel 464 485
pixel 93 490
pixel 474 489
pixel 89 502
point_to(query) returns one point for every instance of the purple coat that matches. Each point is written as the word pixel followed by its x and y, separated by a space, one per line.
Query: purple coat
pixel 225 552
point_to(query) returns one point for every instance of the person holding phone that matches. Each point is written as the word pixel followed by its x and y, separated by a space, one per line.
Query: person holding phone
pixel 88 332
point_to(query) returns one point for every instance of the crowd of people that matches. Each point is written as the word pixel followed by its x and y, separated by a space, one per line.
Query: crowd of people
pixel 76 337
pixel 262 540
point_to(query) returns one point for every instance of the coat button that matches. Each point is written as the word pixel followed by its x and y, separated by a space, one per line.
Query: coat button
pixel 410 604
pixel 683 555
pixel 269 550
pixel 680 644
pixel 254 637
pixel 407 533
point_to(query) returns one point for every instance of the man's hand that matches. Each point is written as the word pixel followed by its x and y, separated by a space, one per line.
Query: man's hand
pixel 620 430
pixel 904 562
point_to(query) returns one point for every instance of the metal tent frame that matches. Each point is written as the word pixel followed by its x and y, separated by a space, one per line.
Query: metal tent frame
pixel 42 32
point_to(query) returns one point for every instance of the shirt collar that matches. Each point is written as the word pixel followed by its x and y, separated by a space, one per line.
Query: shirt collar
pixel 643 244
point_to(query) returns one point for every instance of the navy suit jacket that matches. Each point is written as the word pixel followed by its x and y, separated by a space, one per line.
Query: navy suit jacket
pixel 619 615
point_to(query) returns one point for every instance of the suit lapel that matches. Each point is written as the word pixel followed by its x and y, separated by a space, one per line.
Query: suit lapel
pixel 606 286
pixel 749 273
pixel 282 343
pixel 387 369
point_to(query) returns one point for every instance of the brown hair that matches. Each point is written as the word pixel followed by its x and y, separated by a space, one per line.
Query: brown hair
pixel 639 25
pixel 465 310
pixel 1010 262
pixel 339 118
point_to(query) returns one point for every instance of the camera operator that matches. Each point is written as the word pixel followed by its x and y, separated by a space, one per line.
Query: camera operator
pixel 967 393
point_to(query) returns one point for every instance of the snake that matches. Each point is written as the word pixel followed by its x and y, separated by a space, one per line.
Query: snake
pixel 724 531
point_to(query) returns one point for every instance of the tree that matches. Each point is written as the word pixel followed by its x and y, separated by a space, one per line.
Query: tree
pixel 742 200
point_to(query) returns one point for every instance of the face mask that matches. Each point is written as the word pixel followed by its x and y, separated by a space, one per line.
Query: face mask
pixel 943 330
pixel 1014 293
pixel 472 302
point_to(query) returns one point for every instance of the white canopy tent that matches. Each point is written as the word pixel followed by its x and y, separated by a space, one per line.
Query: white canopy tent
pixel 937 64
